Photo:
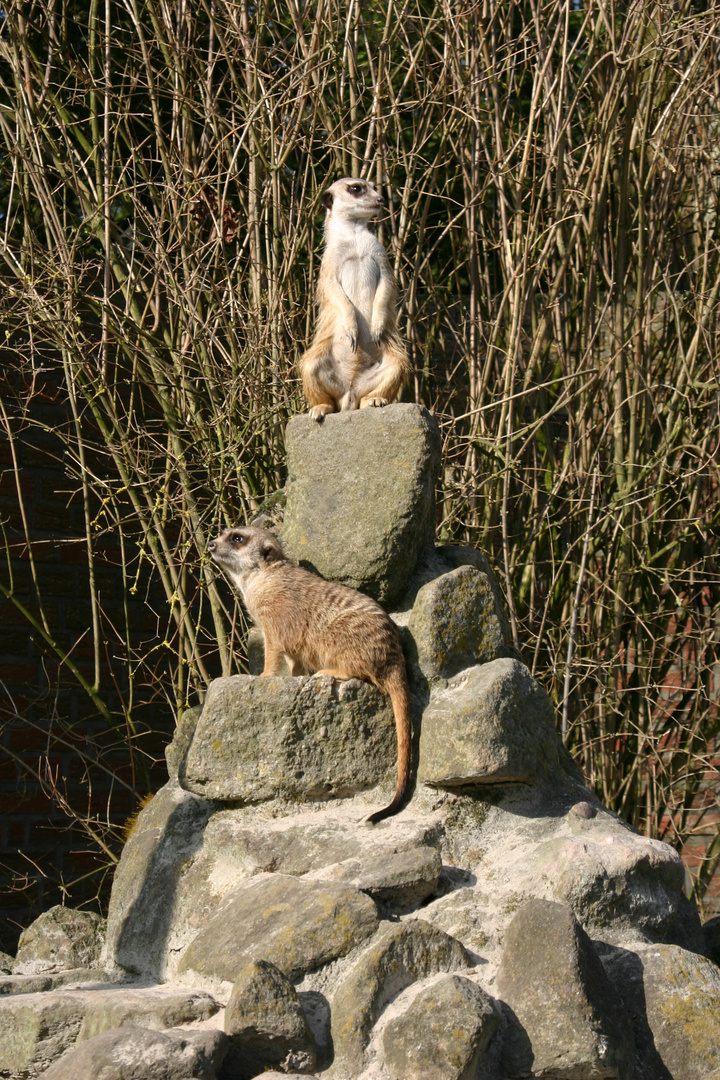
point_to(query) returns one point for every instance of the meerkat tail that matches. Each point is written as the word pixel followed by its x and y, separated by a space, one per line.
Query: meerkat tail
pixel 398 690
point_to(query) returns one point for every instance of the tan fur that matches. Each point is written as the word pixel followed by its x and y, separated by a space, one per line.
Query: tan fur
pixel 319 627
pixel 356 358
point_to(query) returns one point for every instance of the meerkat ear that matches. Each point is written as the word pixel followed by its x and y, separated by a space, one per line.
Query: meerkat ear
pixel 327 199
pixel 268 551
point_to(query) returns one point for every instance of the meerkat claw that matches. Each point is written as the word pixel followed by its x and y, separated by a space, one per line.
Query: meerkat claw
pixel 318 412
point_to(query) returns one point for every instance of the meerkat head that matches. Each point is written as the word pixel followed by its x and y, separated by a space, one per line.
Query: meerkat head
pixel 354 200
pixel 239 551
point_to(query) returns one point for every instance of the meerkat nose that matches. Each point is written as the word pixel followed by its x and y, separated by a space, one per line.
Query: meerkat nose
pixel 212 545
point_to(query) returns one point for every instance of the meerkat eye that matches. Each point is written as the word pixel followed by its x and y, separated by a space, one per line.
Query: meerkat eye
pixel 356 189
pixel 237 539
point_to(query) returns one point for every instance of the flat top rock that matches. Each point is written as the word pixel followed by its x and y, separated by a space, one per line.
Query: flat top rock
pixel 292 738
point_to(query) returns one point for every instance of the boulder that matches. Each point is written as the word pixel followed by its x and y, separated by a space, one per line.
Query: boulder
pixel 59 939
pixel 134 1053
pixel 37 1028
pixel 407 952
pixel 505 844
pixel 176 750
pixel 266 1024
pixel 168 832
pixel 396 878
pixel 673 998
pixel 157 1008
pixel 37 984
pixel 456 555
pixel 443 1033
pixel 302 738
pixel 567 1020
pixel 295 924
pixel 360 504
pixel 6 963
pixel 491 723
pixel 456 622
pixel 614 878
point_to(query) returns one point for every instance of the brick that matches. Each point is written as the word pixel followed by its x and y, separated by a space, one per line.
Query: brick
pixel 14 834
pixel 12 673
pixel 10 482
pixel 26 738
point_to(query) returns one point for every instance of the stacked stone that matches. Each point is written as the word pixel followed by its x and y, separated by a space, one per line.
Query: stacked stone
pixel 504 924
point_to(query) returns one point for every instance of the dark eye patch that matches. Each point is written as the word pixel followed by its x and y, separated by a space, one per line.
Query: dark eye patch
pixel 237 539
pixel 356 189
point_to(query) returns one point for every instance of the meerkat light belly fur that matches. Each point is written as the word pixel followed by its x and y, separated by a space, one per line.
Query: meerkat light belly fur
pixel 319 627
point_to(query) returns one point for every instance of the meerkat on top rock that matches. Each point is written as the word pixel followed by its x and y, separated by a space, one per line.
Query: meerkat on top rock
pixel 357 358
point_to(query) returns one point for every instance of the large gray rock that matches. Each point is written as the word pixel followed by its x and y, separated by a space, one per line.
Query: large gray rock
pixel 491 723
pixel 361 496
pixel 510 843
pixel 397 878
pixel 673 997
pixel 267 1025
pixel 296 925
pixel 303 738
pixel 168 833
pixel 59 939
pixel 134 1053
pixel 443 1033
pixel 407 952
pixel 154 1008
pixel 6 963
pixel 456 555
pixel 567 1019
pixel 37 1028
pixel 456 621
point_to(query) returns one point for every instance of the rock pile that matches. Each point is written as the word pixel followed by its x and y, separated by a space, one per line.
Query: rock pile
pixel 504 925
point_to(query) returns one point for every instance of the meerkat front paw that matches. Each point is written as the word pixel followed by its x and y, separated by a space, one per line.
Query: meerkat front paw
pixel 378 334
pixel 352 337
pixel 372 402
pixel 319 411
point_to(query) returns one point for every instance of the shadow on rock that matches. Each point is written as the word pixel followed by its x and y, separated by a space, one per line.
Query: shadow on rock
pixel 625 971
pixel 169 831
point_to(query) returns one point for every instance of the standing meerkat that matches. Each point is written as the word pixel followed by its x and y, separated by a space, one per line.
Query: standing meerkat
pixel 357 358
pixel 319 627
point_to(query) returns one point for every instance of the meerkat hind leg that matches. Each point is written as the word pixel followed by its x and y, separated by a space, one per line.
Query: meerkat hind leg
pixel 382 383
pixel 321 386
